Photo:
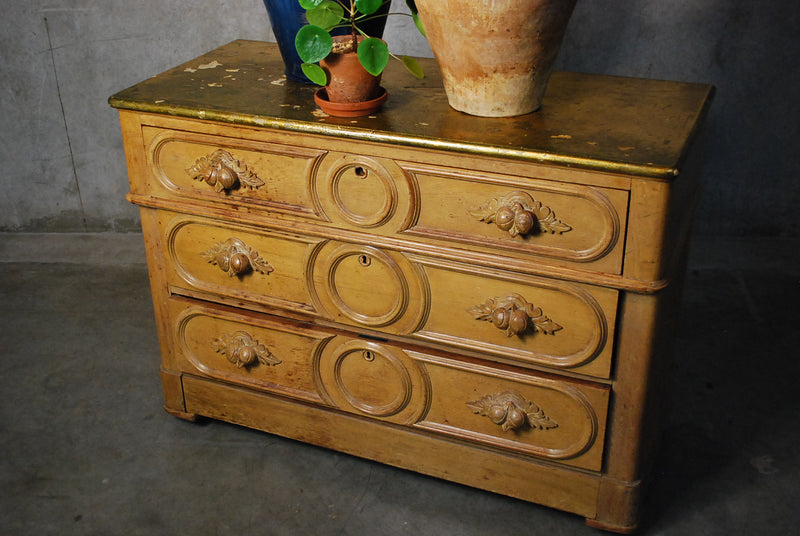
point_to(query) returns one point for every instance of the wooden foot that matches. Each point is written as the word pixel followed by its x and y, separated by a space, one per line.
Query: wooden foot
pixel 610 528
pixel 191 417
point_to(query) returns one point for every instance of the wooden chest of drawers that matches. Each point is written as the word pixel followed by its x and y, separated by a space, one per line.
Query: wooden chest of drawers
pixel 483 300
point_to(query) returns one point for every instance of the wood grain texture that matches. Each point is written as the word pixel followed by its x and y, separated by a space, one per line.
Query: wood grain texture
pixel 487 301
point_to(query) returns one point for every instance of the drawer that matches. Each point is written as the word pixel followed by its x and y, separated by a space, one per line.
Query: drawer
pixel 503 408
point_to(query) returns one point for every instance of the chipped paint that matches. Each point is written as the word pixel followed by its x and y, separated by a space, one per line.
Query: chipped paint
pixel 231 70
pixel 189 70
pixel 279 81
pixel 159 101
pixel 561 137
pixel 319 113
pixel 214 84
pixel 211 65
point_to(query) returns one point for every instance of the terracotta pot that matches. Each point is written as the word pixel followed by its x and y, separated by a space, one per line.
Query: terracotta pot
pixel 348 80
pixel 349 109
pixel 495 56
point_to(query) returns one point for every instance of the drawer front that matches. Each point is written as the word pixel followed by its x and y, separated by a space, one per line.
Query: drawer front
pixel 246 349
pixel 553 419
pixel 237 262
pixel 232 171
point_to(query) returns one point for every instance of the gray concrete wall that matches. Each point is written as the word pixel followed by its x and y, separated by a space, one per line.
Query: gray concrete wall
pixel 61 151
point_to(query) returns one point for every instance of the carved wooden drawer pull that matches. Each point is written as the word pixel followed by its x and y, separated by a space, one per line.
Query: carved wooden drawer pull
pixel 222 171
pixel 519 214
pixel 512 411
pixel 243 350
pixel 515 315
pixel 236 258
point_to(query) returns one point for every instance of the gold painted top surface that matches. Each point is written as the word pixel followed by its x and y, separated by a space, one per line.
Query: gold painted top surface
pixel 614 124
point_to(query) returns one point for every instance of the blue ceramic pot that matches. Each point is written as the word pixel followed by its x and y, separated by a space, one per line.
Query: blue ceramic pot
pixel 287 17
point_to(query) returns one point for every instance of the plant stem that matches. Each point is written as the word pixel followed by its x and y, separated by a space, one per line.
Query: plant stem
pixel 353 25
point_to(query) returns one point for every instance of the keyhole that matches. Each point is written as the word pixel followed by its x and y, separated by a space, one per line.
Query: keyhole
pixel 369 356
pixel 360 172
pixel 364 260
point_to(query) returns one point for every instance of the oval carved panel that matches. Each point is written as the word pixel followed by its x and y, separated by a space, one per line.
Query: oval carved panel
pixel 367 286
pixel 373 379
pixel 362 192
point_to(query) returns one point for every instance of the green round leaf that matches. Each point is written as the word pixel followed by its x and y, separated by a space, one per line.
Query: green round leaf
pixel 310 4
pixel 326 15
pixel 368 7
pixel 412 66
pixel 373 54
pixel 313 43
pixel 315 73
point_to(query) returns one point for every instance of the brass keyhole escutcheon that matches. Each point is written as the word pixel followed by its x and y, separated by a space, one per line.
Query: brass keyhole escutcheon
pixel 364 260
pixel 369 356
pixel 360 172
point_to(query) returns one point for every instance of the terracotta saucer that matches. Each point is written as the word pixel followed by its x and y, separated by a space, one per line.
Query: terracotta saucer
pixel 349 109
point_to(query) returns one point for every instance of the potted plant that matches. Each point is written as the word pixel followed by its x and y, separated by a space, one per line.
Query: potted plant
pixel 349 66
pixel 510 48
pixel 286 17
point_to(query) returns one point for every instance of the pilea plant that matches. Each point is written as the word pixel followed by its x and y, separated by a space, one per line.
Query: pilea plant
pixel 314 41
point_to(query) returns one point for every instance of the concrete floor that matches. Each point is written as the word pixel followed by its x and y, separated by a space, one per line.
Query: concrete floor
pixel 86 448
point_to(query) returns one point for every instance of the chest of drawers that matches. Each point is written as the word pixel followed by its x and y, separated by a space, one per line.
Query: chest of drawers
pixel 483 300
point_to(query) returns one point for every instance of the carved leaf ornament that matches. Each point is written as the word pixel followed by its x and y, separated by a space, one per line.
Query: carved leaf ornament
pixel 241 349
pixel 515 315
pixel 519 214
pixel 236 258
pixel 512 411
pixel 224 172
